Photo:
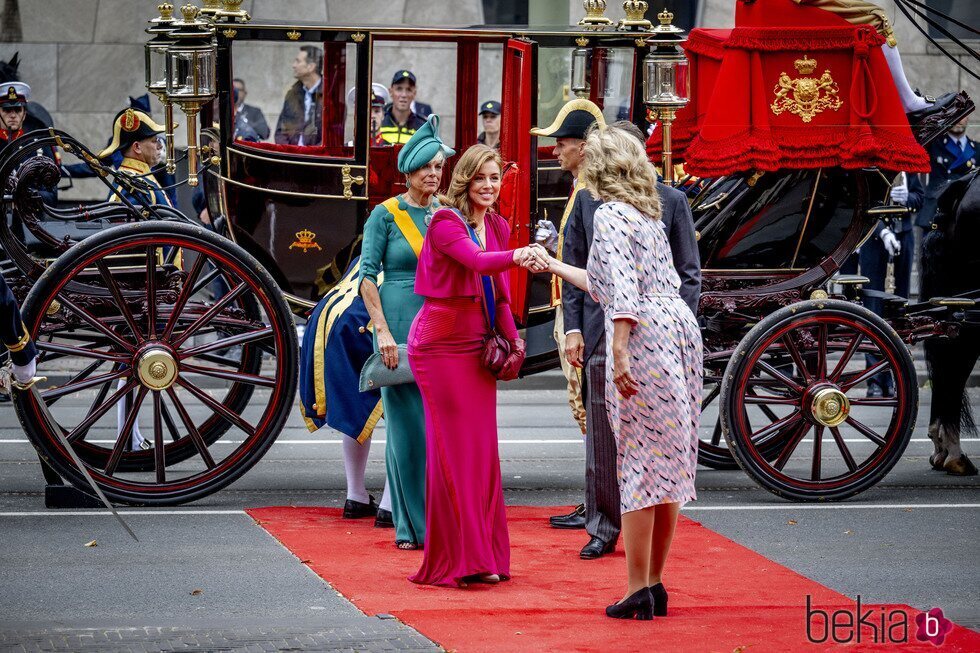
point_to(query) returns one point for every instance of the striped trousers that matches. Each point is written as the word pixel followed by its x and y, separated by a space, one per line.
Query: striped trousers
pixel 602 505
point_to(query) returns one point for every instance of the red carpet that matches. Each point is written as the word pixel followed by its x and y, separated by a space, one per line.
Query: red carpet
pixel 723 596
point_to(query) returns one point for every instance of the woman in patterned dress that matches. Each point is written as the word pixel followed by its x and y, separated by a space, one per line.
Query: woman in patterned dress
pixel 654 373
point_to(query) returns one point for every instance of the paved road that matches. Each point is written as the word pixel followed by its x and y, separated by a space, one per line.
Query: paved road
pixel 912 539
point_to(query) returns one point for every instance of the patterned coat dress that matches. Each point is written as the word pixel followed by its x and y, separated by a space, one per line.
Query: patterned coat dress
pixel 631 274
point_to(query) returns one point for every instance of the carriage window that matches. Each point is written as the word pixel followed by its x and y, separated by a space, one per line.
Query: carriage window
pixel 415 80
pixel 615 93
pixel 295 97
pixel 554 90
pixel 491 86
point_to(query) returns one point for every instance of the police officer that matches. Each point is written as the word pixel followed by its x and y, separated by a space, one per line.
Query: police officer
pixel 400 122
pixel 137 137
pixel 490 117
pixel 951 157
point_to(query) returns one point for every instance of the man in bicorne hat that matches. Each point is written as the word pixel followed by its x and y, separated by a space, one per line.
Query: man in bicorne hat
pixel 602 494
pixel 137 137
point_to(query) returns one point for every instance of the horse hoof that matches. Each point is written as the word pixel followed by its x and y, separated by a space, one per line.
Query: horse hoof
pixel 937 460
pixel 961 466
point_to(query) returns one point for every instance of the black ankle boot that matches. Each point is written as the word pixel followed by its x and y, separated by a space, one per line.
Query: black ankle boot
pixel 638 605
pixel 659 595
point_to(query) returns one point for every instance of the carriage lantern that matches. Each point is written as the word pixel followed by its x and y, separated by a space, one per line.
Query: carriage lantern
pixel 580 70
pixel 156 70
pixel 666 83
pixel 191 75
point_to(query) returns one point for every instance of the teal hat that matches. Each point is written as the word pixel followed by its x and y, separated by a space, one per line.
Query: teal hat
pixel 422 147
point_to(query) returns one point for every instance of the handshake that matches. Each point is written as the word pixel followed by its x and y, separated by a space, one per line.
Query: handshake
pixel 533 257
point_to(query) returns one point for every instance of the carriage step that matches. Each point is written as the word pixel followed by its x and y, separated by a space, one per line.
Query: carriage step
pixel 850 280
pixel 959 302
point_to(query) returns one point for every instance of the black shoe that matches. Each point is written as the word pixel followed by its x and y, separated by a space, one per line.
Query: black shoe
pixel 384 519
pixel 936 106
pixel 889 392
pixel 874 391
pixel 596 548
pixel 574 519
pixel 357 510
pixel 659 595
pixel 638 605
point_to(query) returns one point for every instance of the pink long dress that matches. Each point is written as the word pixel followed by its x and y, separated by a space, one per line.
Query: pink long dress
pixel 465 523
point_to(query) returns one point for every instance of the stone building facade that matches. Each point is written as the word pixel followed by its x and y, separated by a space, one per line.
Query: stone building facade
pixel 84 58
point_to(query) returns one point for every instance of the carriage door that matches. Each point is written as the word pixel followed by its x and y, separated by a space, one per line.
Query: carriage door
pixel 519 192
pixel 296 177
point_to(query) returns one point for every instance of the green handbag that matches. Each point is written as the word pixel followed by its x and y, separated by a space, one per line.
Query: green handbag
pixel 375 374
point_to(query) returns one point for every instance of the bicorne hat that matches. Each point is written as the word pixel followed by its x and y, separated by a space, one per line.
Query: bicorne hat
pixel 422 147
pixel 573 120
pixel 130 125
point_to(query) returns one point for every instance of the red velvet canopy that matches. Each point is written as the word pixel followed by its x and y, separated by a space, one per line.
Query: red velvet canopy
pixel 791 87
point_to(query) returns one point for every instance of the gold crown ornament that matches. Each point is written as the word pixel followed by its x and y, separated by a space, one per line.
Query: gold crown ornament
pixel 232 11
pixel 635 11
pixel 806 65
pixel 166 10
pixel 595 14
pixel 305 240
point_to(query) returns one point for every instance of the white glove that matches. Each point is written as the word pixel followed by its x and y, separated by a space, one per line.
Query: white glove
pixel 888 239
pixel 24 373
pixel 900 195
pixel 546 235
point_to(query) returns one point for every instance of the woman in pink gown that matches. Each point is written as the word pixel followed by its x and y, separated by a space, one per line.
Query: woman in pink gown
pixel 466 536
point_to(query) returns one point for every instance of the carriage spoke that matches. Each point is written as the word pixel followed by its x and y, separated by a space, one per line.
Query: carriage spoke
pixel 844 451
pixel 861 377
pixel 195 435
pixel 765 400
pixel 169 421
pixel 209 314
pixel 765 435
pixel 125 433
pixel 240 339
pixel 186 293
pixel 82 428
pixel 716 434
pixel 821 352
pixel 779 376
pixel 874 401
pixel 113 287
pixel 70 387
pixel 159 451
pixel 205 280
pixel 94 322
pixel 792 442
pixel 794 353
pixel 68 350
pixel 218 408
pixel 866 431
pixel 84 374
pixel 238 377
pixel 817 452
pixel 846 357
pixel 151 292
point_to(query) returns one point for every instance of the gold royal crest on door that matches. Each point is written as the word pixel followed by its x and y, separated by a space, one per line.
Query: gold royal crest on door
pixel 806 96
pixel 305 240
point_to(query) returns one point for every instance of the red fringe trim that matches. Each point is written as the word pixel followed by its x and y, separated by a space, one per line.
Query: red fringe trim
pixel 708 42
pixel 779 39
pixel 849 147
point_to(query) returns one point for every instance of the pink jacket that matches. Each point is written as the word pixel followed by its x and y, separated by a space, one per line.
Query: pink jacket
pixel 450 262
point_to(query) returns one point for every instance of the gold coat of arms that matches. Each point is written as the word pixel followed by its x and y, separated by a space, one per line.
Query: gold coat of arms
pixel 806 96
pixel 305 240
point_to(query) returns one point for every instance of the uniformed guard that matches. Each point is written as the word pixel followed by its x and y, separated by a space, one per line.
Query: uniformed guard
pixel 950 157
pixel 13 111
pixel 490 117
pixel 400 122
pixel 136 136
pixel 15 337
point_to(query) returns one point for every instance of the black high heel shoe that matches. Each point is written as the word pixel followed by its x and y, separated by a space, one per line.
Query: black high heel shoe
pixel 659 595
pixel 638 605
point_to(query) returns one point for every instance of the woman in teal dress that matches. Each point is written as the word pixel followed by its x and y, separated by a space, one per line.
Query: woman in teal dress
pixel 392 240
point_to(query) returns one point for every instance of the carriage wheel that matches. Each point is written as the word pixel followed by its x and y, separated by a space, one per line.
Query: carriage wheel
pixel 796 386
pixel 131 329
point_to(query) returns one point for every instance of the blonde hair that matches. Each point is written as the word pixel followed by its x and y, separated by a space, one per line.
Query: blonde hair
pixel 616 169
pixel 458 194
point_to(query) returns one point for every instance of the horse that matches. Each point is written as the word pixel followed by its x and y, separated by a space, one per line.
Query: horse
pixel 951 266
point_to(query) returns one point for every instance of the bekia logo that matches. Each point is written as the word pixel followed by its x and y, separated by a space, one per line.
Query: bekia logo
pixel 878 624
pixel 932 626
